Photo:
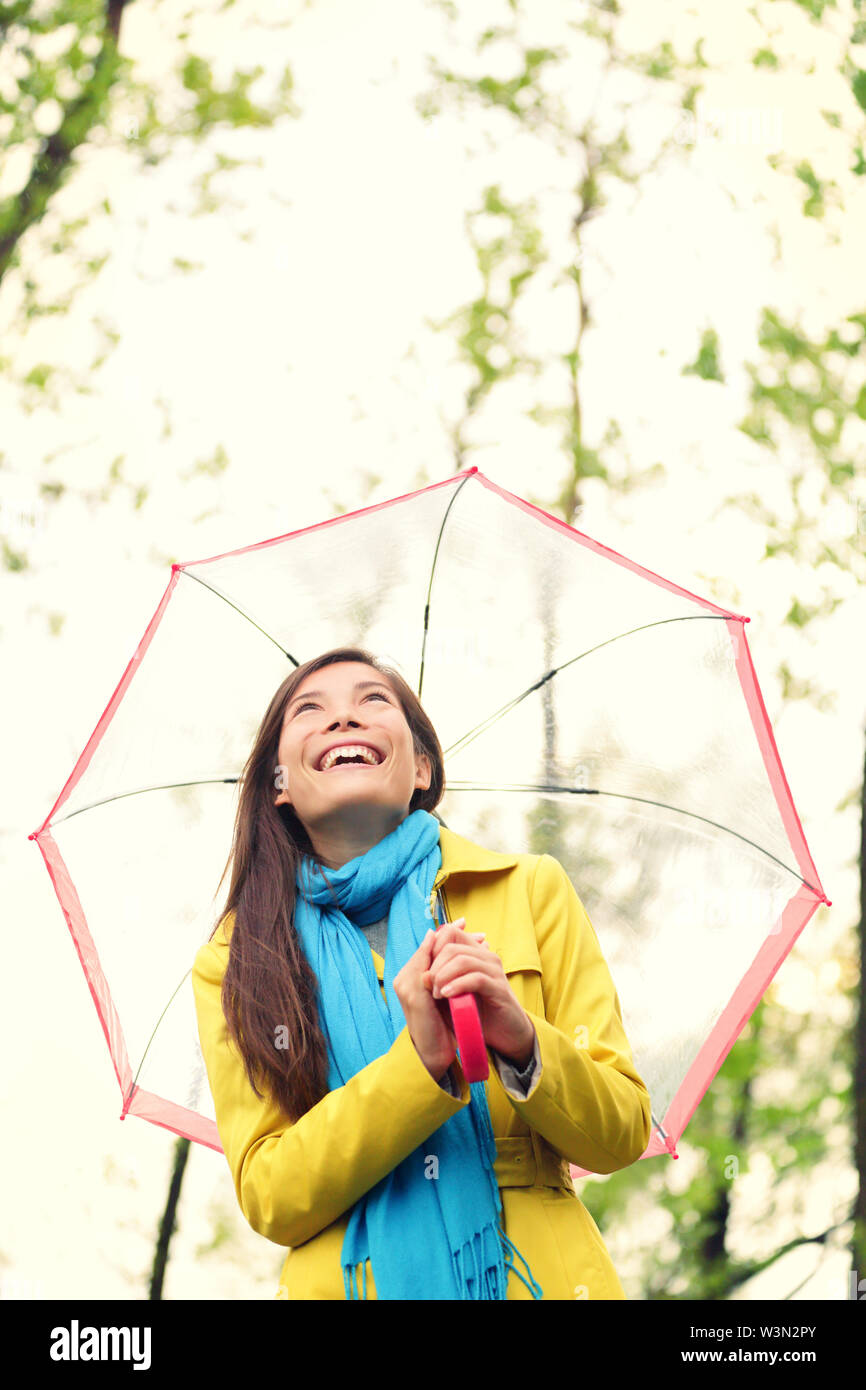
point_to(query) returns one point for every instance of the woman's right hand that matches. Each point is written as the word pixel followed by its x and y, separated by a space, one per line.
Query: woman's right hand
pixel 428 1019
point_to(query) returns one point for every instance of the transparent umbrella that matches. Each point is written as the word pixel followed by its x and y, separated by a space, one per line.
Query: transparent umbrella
pixel 587 709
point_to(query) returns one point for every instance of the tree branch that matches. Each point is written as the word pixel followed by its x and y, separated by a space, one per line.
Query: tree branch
pixel 54 158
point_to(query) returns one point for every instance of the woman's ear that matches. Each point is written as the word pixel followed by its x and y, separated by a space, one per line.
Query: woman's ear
pixel 282 799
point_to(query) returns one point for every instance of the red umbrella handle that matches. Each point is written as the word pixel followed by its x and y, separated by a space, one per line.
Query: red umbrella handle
pixel 466 1023
pixel 470 1039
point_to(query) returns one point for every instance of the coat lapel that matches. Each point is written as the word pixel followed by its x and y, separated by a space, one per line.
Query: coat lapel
pixel 462 856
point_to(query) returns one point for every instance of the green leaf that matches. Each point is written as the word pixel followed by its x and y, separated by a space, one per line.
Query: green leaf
pixel 815 8
pixel 39 375
pixel 14 560
pixel 814 205
pixel 797 614
pixel 706 364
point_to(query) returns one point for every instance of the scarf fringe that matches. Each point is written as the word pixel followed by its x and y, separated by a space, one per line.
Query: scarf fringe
pixel 532 1284
pixel 488 1279
pixel 493 1279
pixel 349 1278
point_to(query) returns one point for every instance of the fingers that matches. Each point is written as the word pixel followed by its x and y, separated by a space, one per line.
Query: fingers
pixel 476 982
pixel 446 952
pixel 462 972
pixel 407 979
pixel 441 949
pixel 454 932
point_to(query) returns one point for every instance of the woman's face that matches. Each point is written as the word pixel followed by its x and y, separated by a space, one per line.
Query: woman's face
pixel 347 703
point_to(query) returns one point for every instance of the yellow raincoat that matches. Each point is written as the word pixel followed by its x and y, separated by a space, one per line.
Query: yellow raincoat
pixel 296 1183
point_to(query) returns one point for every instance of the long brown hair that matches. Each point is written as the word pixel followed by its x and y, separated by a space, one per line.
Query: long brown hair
pixel 269 983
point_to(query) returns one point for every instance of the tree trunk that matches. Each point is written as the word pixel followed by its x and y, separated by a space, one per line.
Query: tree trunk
pixel 167 1227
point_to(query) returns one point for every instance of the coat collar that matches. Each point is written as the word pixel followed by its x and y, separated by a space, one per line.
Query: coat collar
pixel 460 855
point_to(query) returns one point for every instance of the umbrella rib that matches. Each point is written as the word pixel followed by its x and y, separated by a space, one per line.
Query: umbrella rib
pixel 628 796
pixel 451 502
pixel 212 590
pixel 506 708
pixel 153 1034
pixel 167 786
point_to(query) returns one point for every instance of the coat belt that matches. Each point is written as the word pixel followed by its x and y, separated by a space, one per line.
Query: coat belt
pixel 518 1165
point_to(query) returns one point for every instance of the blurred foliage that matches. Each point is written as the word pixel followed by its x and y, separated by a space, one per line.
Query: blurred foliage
pixel 69 96
pixel 706 364
pixel 67 83
pixel 513 263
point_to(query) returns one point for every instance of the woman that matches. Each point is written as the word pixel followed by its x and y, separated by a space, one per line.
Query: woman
pixel 350 1130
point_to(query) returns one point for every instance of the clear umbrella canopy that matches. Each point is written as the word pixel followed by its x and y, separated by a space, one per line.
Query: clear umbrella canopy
pixel 587 709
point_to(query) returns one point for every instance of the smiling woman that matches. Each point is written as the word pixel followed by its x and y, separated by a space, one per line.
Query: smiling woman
pixel 366 1148
pixel 344 727
pixel 288 812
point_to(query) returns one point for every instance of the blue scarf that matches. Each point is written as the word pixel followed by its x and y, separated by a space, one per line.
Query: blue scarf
pixel 425 1238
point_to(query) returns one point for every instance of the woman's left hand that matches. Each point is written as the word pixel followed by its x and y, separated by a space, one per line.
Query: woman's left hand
pixel 468 965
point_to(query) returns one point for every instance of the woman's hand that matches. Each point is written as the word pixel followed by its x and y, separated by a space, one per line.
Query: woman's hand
pixel 463 963
pixel 428 1020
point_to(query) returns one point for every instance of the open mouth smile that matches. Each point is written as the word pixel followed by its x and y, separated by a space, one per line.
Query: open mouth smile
pixel 350 755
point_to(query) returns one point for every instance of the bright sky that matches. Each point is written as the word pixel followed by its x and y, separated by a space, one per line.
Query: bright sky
pixel 303 351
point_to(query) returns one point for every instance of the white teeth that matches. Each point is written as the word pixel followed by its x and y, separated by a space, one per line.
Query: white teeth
pixel 348 750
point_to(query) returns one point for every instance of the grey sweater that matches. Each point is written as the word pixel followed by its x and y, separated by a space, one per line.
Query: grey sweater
pixel 522 1081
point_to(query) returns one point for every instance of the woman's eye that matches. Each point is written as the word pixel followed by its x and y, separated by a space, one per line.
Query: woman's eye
pixel 309 704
